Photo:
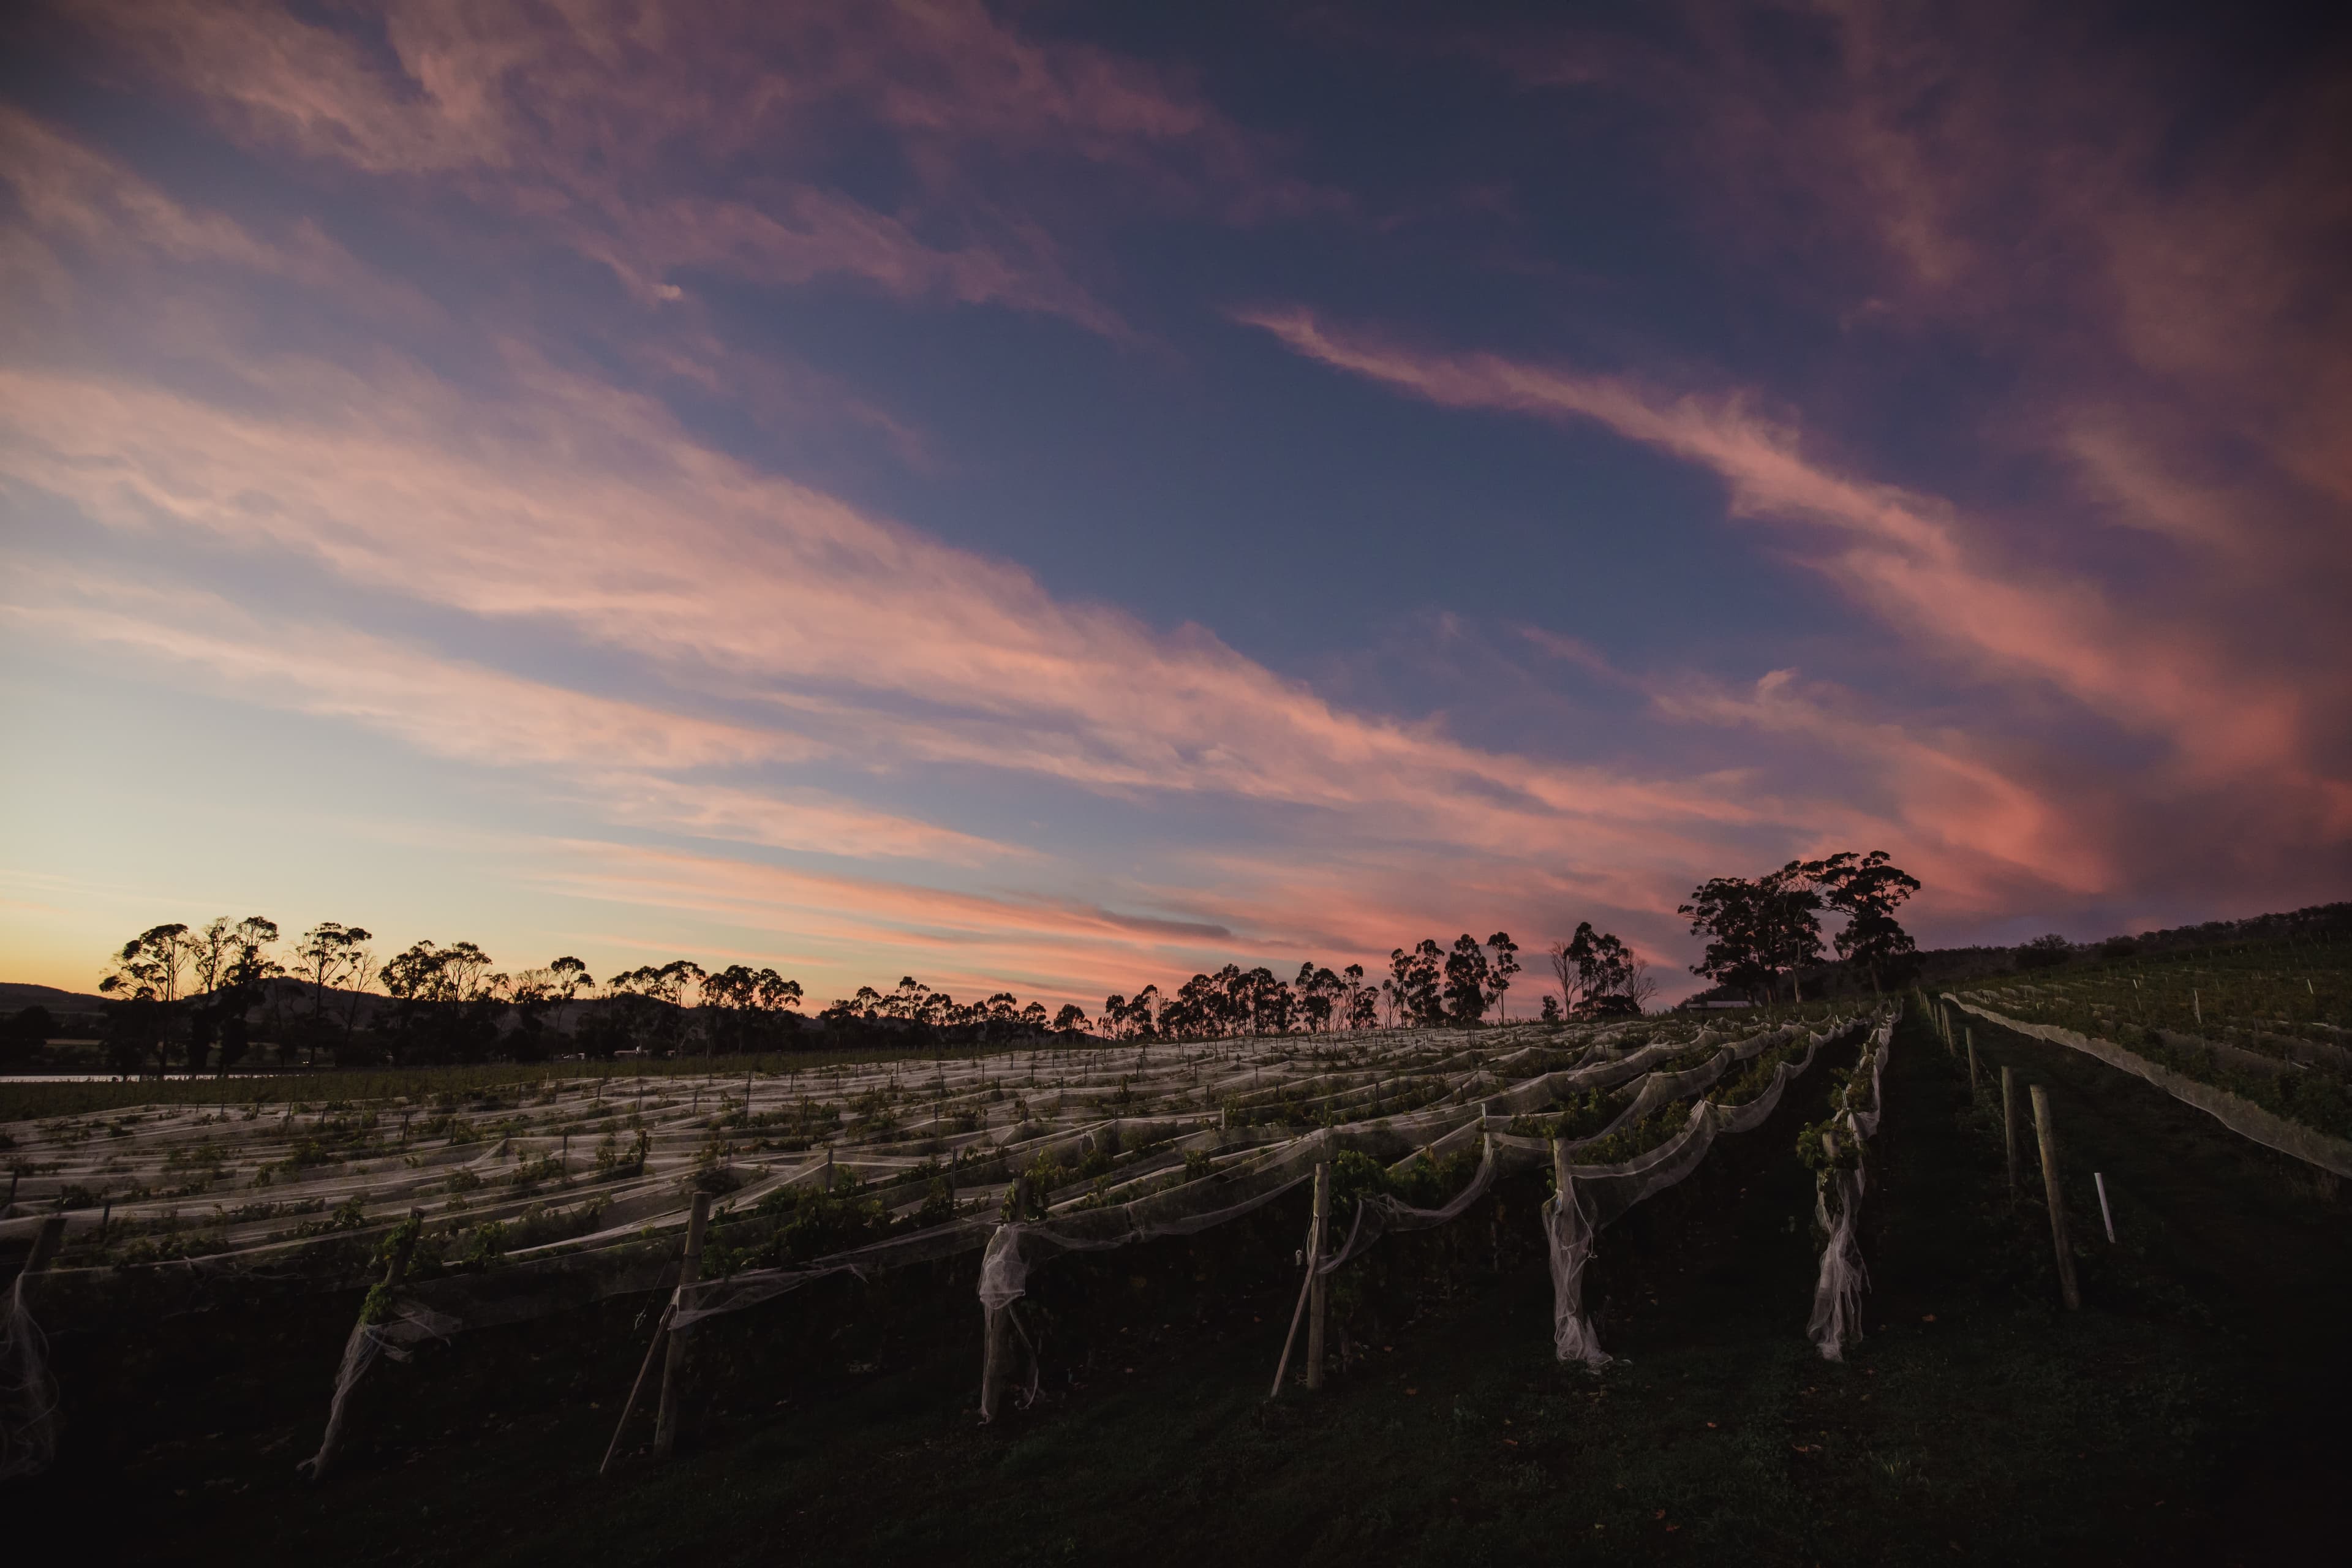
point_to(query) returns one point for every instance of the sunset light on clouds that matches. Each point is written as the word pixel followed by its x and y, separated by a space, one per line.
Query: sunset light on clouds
pixel 1051 499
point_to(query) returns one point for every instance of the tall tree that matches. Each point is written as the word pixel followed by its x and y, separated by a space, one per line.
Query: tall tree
pixel 567 977
pixel 1498 978
pixel 330 958
pixel 1424 989
pixel 147 980
pixel 152 965
pixel 244 982
pixel 1758 929
pixel 1867 889
pixel 1593 967
pixel 1466 978
pixel 1398 987
pixel 1729 912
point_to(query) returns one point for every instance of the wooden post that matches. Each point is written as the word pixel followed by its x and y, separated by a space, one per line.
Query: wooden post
pixel 1305 1290
pixel 661 1338
pixel 2046 1133
pixel 1315 1251
pixel 395 1269
pixel 690 1269
pixel 1972 1065
pixel 2009 1123
pixel 45 1242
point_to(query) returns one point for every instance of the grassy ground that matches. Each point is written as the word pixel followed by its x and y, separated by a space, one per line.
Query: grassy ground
pixel 2188 1413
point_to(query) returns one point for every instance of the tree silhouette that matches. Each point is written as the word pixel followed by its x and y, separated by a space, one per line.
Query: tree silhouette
pixel 330 957
pixel 1466 978
pixel 1498 979
pixel 1729 912
pixel 1595 969
pixel 244 983
pixel 1867 889
pixel 149 974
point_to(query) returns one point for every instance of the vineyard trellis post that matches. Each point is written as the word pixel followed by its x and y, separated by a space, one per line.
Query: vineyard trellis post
pixel 1319 1286
pixel 2046 1133
pixel 1305 1290
pixel 1972 1065
pixel 2009 1123
pixel 690 1269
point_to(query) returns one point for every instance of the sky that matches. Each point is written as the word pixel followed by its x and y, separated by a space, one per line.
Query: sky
pixel 1053 498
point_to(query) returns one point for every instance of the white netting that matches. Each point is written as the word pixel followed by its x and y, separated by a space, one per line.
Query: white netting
pixel 1377 1213
pixel 2234 1111
pixel 1590 1196
pixel 558 1191
pixel 29 1391
pixel 1837 1203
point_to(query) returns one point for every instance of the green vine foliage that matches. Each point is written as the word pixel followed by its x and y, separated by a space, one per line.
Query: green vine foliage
pixel 1812 1151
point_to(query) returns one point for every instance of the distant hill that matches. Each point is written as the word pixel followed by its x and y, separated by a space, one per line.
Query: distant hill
pixel 1944 966
pixel 15 994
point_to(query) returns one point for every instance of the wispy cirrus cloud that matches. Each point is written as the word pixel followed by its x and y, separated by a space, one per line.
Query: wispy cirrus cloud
pixel 662 140
pixel 1910 558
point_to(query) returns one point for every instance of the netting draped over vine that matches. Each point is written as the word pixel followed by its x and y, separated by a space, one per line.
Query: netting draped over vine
pixel 2234 1111
pixel 1116 1145
pixel 1837 1203
pixel 28 1390
pixel 1588 1197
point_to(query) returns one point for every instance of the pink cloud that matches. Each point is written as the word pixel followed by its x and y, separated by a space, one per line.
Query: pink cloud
pixel 1909 557
pixel 573 120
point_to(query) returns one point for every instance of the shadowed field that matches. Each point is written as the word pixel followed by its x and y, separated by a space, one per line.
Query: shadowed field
pixel 2185 1414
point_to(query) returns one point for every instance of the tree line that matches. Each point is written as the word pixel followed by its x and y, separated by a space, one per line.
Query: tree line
pixel 204 997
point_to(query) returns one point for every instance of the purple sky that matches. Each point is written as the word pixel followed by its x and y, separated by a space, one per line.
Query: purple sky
pixel 1052 498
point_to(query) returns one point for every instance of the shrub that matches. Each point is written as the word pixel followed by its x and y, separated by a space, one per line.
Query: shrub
pixel 2046 952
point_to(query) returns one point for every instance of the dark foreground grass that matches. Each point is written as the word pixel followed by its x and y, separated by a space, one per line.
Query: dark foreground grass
pixel 2187 1413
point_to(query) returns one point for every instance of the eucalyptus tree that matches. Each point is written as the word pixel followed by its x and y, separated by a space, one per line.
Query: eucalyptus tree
pixel 1867 889
pixel 1467 975
pixel 1758 929
pixel 334 961
pixel 567 977
pixel 1593 967
pixel 244 983
pixel 447 1001
pixel 1729 912
pixel 1505 965
pixel 1363 1001
pixel 149 974
pixel 1424 990
pixel 1270 1003
pixel 1397 989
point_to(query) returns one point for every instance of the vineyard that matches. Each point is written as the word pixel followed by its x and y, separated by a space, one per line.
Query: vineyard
pixel 2256 1036
pixel 916 1254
